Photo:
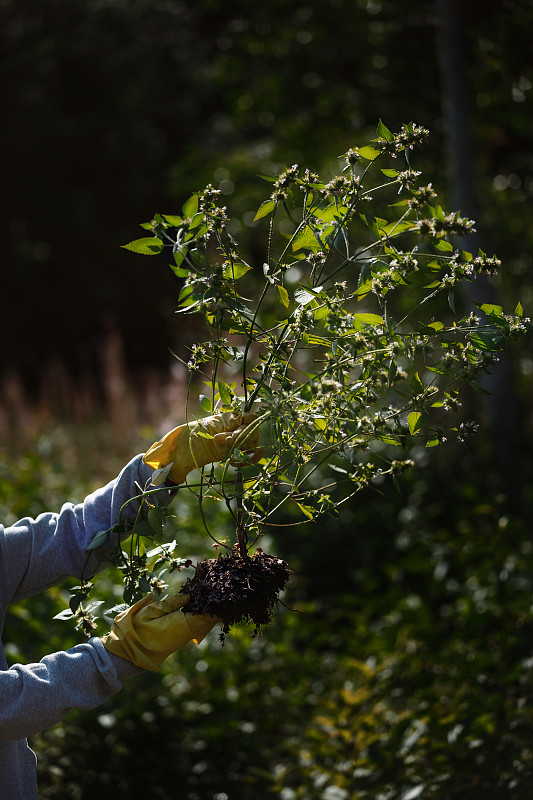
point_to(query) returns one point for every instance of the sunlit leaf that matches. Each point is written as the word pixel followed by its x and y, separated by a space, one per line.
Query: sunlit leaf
pixel 149 246
pixel 414 421
pixel 235 270
pixel 266 208
pixel 190 206
pixel 283 295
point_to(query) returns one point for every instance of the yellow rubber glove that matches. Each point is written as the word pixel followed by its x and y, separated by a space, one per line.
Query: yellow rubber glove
pixel 189 450
pixel 151 630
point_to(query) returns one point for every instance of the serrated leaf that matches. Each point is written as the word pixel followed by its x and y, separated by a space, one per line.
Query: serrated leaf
pixel 266 208
pixel 490 309
pixel 489 339
pixel 149 246
pixel 519 311
pixel 308 511
pixel 233 272
pixel 415 384
pixel 444 246
pixel 225 392
pixel 368 319
pixel 205 402
pixel 303 296
pixel 438 369
pixel 179 255
pixel 384 132
pixel 478 387
pixel 451 301
pixel 156 519
pixel 319 340
pixel 67 613
pixel 386 439
pixel 98 539
pixel 305 239
pixel 173 219
pixel 160 475
pixel 283 295
pixel 190 206
pixel 368 153
pixel 414 421
pixel 363 289
pixel 321 312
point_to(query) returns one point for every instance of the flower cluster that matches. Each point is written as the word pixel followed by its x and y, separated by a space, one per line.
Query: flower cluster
pixel 284 183
pixel 406 139
pixel 339 186
pixel 407 178
pixel 421 197
pixel 444 224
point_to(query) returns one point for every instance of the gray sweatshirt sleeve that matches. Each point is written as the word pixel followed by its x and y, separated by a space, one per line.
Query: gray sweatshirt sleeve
pixel 36 696
pixel 34 555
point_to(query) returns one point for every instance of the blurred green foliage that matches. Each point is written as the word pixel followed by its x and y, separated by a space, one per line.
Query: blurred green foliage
pixel 400 666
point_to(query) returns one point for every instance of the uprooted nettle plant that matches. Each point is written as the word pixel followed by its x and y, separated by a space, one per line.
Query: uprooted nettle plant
pixel 345 343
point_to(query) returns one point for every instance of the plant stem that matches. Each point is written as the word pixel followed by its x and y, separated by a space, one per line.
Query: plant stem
pixel 242 538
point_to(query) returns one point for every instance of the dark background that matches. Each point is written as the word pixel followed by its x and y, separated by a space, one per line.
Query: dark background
pixel 112 111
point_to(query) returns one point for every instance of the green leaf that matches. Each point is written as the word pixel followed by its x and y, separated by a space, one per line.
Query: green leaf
pixel 149 246
pixel 490 310
pixel 519 311
pixel 64 615
pixel 444 246
pixel 160 475
pixel 190 206
pixel 173 219
pixel 98 539
pixel 306 238
pixel 489 339
pixel 283 295
pixel 318 340
pixel 414 421
pixel 303 296
pixel 384 132
pixel 415 384
pixel 307 510
pixel 156 519
pixel 451 301
pixel 266 208
pixel 386 439
pixel 397 227
pixel 331 213
pixel 369 153
pixel 236 270
pixel 478 387
pixel 364 288
pixel 368 319
pixel 225 392
pixel 438 369
pixel 390 173
pixel 205 403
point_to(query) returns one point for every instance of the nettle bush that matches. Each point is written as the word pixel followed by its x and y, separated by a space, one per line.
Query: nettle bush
pixel 345 342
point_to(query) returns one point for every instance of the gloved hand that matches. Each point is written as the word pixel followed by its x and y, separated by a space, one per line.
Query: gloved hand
pixel 189 450
pixel 151 630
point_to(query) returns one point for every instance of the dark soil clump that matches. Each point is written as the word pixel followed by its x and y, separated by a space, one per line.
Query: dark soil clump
pixel 237 589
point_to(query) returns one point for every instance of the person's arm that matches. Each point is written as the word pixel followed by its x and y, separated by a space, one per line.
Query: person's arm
pixel 36 554
pixel 36 696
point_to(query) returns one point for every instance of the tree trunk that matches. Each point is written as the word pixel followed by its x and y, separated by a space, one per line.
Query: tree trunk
pixel 501 406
